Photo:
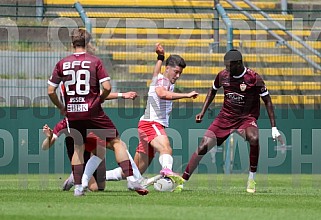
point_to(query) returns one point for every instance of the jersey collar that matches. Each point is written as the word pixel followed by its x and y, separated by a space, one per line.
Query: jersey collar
pixel 239 76
pixel 79 53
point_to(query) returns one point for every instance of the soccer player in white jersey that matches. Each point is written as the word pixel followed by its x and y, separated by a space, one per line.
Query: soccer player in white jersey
pixel 151 126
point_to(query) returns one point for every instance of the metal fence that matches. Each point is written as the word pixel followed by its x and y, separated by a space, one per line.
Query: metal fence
pixel 126 45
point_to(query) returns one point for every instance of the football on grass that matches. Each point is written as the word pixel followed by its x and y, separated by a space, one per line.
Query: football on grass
pixel 164 184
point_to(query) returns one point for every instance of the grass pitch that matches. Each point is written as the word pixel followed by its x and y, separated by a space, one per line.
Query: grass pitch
pixel 204 197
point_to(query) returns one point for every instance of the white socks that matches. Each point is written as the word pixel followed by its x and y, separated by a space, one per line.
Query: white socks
pixel 90 168
pixel 252 175
pixel 166 161
pixel 114 174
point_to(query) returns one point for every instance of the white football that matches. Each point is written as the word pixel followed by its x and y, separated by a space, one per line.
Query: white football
pixel 164 184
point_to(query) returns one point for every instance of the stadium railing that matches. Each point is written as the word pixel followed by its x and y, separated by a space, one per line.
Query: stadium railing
pixel 131 59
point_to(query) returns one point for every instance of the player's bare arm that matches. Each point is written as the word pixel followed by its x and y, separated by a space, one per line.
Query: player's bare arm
pixel 160 58
pixel 55 100
pixel 269 106
pixel 208 100
pixel 168 95
pixel 106 90
pixel 49 140
pixel 129 95
pixel 125 95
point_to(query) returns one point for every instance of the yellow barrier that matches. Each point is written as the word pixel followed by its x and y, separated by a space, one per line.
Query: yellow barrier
pixel 271 85
pixel 201 43
pixel 281 17
pixel 170 15
pixel 180 31
pixel 153 31
pixel 195 70
pixel 159 3
pixel 275 44
pixel 139 15
pixel 152 42
pixel 253 58
pixel 123 3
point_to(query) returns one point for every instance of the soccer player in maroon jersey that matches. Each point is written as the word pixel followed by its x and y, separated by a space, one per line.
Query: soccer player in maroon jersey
pixel 82 74
pixel 98 181
pixel 243 89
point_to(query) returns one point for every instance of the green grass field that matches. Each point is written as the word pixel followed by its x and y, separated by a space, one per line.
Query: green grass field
pixel 205 197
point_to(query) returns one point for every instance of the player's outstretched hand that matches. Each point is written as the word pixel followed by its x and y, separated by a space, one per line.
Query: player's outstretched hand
pixel 159 49
pixel 199 118
pixel 192 94
pixel 46 130
pixel 130 95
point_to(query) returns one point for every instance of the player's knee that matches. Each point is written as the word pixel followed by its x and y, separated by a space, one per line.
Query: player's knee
pixel 253 139
pixel 100 152
pixel 117 145
pixel 205 145
pixel 202 150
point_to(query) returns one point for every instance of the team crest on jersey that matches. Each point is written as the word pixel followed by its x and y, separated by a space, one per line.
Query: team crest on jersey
pixel 242 87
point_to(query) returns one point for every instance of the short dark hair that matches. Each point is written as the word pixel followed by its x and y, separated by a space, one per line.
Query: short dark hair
pixel 175 60
pixel 80 38
pixel 233 55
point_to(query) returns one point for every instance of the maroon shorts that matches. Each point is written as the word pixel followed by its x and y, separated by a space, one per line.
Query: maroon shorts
pixel 147 131
pixel 92 141
pixel 221 127
pixel 102 127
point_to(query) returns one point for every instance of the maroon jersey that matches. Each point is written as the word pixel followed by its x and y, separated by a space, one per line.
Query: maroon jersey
pixel 241 94
pixel 81 74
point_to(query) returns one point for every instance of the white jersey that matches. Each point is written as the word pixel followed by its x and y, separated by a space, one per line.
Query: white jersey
pixel 158 109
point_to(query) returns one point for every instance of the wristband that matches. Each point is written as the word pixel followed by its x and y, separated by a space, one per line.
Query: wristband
pixel 120 95
pixel 160 57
